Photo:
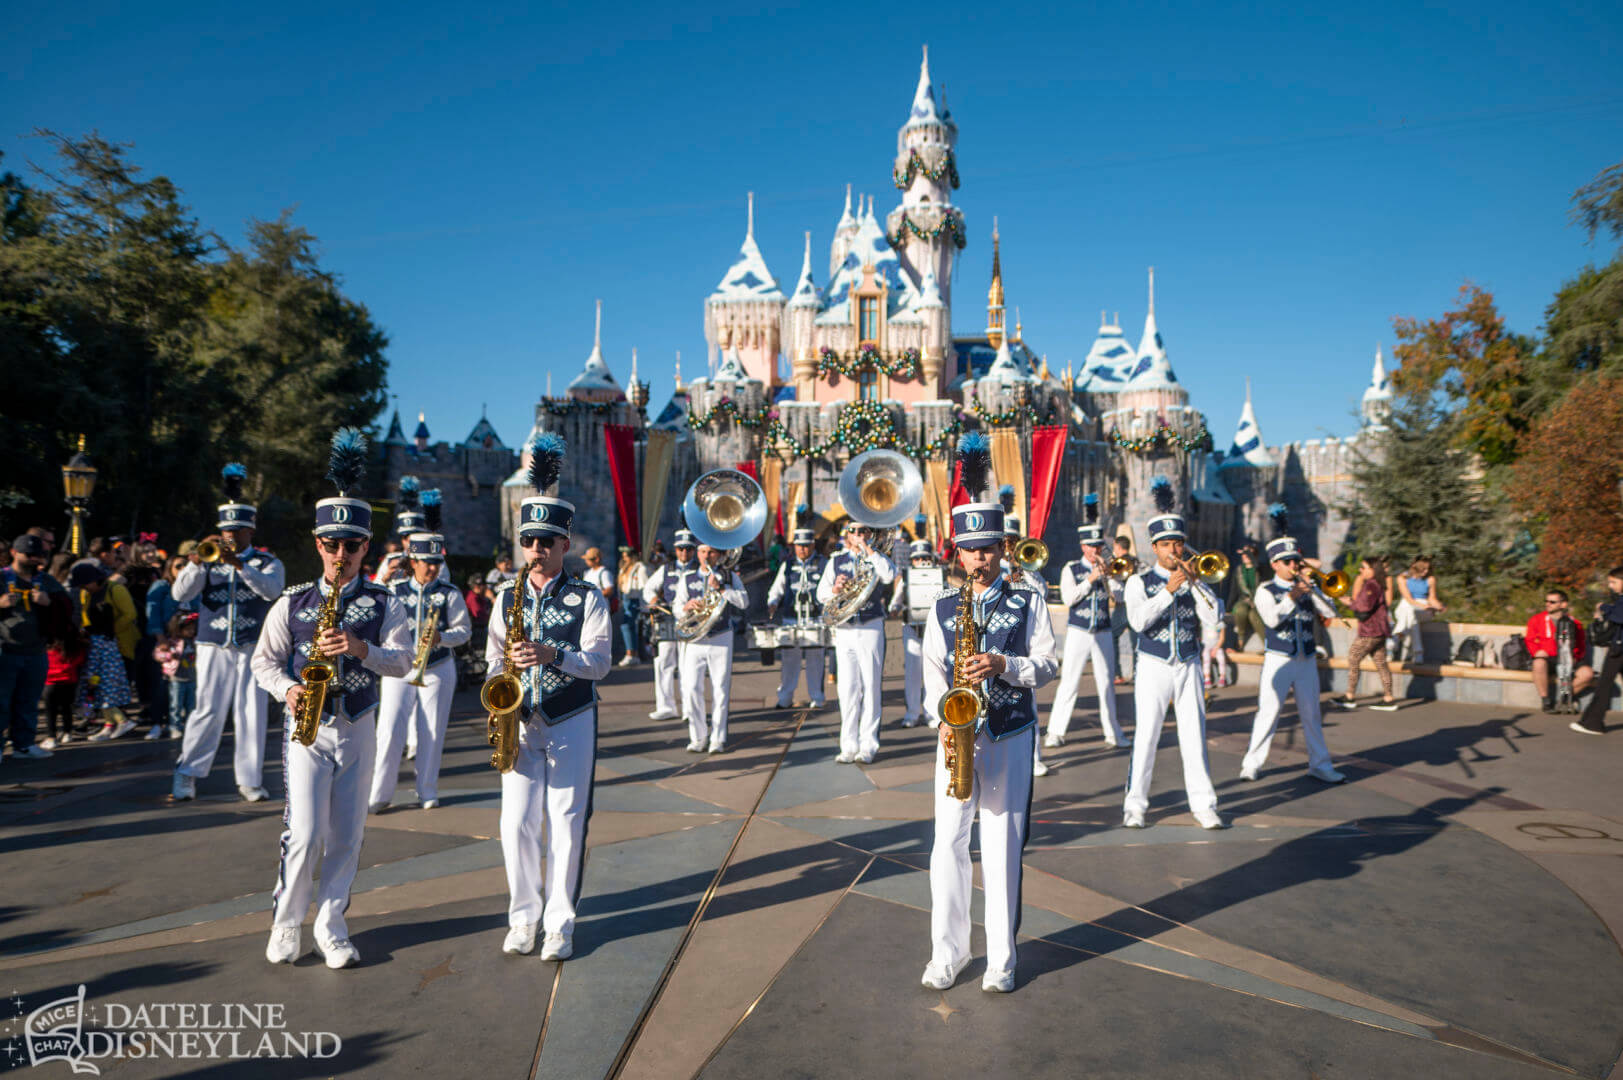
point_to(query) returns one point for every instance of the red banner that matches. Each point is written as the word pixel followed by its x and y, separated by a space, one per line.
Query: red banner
pixel 1047 454
pixel 621 442
pixel 749 470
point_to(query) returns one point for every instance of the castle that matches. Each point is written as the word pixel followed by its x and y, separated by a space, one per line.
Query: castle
pixel 800 381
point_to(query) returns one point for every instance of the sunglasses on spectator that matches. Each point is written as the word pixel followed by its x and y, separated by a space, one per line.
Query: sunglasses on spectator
pixel 1548 602
pixel 350 547
pixel 542 542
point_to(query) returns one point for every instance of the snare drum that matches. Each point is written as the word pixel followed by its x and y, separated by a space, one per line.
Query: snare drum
pixel 663 627
pixel 804 636
pixel 763 635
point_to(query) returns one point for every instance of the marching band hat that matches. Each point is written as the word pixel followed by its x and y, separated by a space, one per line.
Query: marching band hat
pixel 234 513
pixel 1282 546
pixel 804 536
pixel 976 524
pixel 686 539
pixel 545 515
pixel 345 518
pixel 408 514
pixel 1090 532
pixel 1011 525
pixel 426 547
pixel 1167 524
pixel 920 549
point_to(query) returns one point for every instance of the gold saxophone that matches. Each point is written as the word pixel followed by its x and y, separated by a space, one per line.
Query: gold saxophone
pixel 317 673
pixel 425 645
pixel 502 694
pixel 962 707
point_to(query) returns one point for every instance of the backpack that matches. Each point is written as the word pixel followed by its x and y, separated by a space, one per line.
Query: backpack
pixel 1514 656
pixel 1470 652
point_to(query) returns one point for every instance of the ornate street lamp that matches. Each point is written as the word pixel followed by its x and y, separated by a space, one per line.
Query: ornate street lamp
pixel 78 483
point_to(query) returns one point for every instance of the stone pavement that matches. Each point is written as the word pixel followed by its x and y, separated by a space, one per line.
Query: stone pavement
pixel 1453 911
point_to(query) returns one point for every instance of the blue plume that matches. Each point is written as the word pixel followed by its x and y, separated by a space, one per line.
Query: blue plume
pixel 1280 515
pixel 432 509
pixel 802 511
pixel 231 478
pixel 407 499
pixel 546 459
pixel 1005 495
pixel 347 463
pixel 1090 508
pixel 974 462
pixel 1161 492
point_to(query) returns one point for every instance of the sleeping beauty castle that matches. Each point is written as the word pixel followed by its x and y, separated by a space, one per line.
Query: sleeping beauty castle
pixel 861 351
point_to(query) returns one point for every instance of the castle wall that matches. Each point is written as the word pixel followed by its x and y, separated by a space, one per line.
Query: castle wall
pixel 470 483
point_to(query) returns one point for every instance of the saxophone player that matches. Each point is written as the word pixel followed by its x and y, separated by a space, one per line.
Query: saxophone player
pixel 859 643
pixel 1009 656
pixel 711 655
pixel 565 649
pixel 327 780
pixel 796 584
pixel 436 609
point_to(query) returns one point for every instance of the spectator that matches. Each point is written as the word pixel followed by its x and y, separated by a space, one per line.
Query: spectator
pixel 177 656
pixel 65 658
pixel 161 604
pixel 144 570
pixel 109 552
pixel 25 603
pixel 774 553
pixel 1126 659
pixel 1545 630
pixel 1241 593
pixel 479 601
pixel 630 580
pixel 660 556
pixel 598 575
pixel 1417 601
pixel 104 687
pixel 61 563
pixel 1368 600
pixel 1608 624
pixel 46 535
pixel 504 571
pixel 1213 657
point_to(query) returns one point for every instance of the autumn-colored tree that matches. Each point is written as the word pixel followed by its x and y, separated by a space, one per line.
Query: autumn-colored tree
pixel 1570 480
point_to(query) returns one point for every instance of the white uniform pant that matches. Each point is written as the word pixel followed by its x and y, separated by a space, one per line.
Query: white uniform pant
pixel 1002 795
pixel 713 657
pixel 912 674
pixel 225 684
pixel 425 710
pixel 550 790
pixel 1156 686
pixel 1081 648
pixel 665 663
pixel 324 819
pixel 790 680
pixel 859 657
pixel 1281 675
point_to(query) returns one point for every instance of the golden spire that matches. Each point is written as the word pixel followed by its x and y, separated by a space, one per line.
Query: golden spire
pixel 1019 337
pixel 1044 373
pixel 994 296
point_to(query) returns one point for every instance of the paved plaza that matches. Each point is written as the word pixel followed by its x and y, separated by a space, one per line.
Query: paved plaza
pixel 1452 911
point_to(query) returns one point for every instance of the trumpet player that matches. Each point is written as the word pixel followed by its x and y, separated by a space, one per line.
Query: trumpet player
pixel 796 584
pixel 1011 657
pixel 1167 605
pixel 711 655
pixel 439 624
pixel 565 648
pixel 658 596
pixel 859 643
pixel 234 592
pixel 1290 605
pixel 328 780
pixel 1085 587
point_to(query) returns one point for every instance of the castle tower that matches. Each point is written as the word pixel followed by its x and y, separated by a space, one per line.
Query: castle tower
pixel 1248 447
pixel 1376 407
pixel 595 382
pixel 926 173
pixel 994 296
pixel 749 304
pixel 845 233
pixel 801 315
pixel 937 333
pixel 420 438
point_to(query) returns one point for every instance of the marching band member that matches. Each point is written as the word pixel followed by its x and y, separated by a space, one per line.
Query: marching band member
pixel 797 583
pixel 1085 588
pixel 327 780
pixel 566 649
pixel 408 518
pixel 919 556
pixel 233 596
pixel 859 645
pixel 710 655
pixel 1167 606
pixel 426 708
pixel 660 594
pixel 1290 605
pixel 1013 656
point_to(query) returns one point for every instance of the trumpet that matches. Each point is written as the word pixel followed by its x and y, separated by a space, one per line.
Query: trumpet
pixel 1030 553
pixel 425 645
pixel 212 550
pixel 1209 568
pixel 1121 568
pixel 1335 584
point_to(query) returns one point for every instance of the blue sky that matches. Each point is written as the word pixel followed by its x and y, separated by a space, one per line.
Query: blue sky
pixel 1297 178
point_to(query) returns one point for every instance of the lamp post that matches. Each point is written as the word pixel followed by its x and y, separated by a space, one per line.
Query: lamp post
pixel 78 482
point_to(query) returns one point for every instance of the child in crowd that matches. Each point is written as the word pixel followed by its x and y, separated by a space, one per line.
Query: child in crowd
pixel 1213 654
pixel 65 655
pixel 177 655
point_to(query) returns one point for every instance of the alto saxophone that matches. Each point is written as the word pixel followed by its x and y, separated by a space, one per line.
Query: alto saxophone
pixel 425 645
pixel 962 707
pixel 317 673
pixel 503 693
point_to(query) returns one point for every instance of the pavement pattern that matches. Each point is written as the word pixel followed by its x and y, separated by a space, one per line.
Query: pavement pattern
pixel 1452 911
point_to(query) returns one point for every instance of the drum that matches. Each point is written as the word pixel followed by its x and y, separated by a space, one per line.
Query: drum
pixel 763 635
pixel 662 627
pixel 924 585
pixel 804 636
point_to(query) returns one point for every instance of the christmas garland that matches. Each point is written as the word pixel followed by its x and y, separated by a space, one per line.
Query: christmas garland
pixel 862 425
pixel 868 358
pixel 565 406
pixel 1012 416
pixel 1163 435
pixel 950 223
pixel 915 166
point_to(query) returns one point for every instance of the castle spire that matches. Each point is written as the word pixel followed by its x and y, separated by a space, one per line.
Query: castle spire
pixel 749 229
pixel 994 295
pixel 924 106
pixel 1377 404
pixel 1247 448
pixel 678 371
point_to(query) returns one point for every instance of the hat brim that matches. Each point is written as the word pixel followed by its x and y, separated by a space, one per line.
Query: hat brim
pixel 978 541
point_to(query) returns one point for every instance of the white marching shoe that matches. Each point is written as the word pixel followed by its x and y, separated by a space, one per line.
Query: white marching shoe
pixel 1208 819
pixel 1038 768
pixel 998 982
pixel 184 788
pixel 1053 742
pixel 339 953
pixel 557 947
pixel 520 940
pixel 286 945
pixel 942 976
pixel 1132 819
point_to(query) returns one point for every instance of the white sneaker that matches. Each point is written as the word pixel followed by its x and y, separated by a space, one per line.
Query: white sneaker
pixel 431 804
pixel 695 747
pixel 866 757
pixel 122 728
pixel 252 794
pixel 184 788
pixel 1039 769
pixel 718 748
pixel 997 982
pixel 1344 703
pixel 910 721
pixel 820 703
pixel 286 945
pixel 557 947
pixel 625 661
pixel 1208 819
pixel 1248 773
pixel 104 733
pixel 942 976
pixel 155 733
pixel 662 714
pixel 173 731
pixel 67 737
pixel 411 753
pixel 1578 726
pixel 520 940
pixel 844 757
pixel 1329 774
pixel 1132 819
pixel 339 954
pixel 48 743
pixel 1052 741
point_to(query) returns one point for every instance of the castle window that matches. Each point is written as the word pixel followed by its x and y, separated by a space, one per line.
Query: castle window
pixel 868 384
pixel 868 326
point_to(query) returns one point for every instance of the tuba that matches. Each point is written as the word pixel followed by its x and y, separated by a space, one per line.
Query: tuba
pixel 725 509
pixel 962 707
pixel 503 693
pixel 317 673
pixel 879 489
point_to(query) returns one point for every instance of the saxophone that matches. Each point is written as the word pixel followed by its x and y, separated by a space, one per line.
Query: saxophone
pixel 425 645
pixel 503 693
pixel 317 673
pixel 963 706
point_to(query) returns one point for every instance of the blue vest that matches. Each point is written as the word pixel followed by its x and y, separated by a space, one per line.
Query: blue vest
pixel 667 587
pixel 846 563
pixel 800 586
pixel 229 612
pixel 360 612
pixel 1175 636
pixel 1092 612
pixel 1294 636
pixel 436 594
pixel 1009 709
pixel 555 619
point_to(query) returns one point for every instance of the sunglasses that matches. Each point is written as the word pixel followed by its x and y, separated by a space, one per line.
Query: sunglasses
pixel 543 542
pixel 1553 603
pixel 349 547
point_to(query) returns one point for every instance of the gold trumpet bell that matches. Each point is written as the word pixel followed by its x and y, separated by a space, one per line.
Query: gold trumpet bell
pixel 1031 553
pixel 1211 566
pixel 208 551
pixel 1335 584
pixel 1120 568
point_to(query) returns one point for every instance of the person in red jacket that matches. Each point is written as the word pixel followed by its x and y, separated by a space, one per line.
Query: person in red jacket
pixel 1544 630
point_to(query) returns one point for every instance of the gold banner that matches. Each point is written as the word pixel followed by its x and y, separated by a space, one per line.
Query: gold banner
pixel 1009 468
pixel 656 473
pixel 937 497
pixel 771 484
pixel 795 496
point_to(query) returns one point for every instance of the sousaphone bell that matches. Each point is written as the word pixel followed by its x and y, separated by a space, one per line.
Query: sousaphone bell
pixel 881 489
pixel 725 509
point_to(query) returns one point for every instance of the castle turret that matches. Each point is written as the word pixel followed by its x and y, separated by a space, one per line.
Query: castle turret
pixel 926 172
pixel 845 233
pixel 994 296
pixel 595 382
pixel 750 305
pixel 1248 448
pixel 420 437
pixel 1376 407
pixel 799 319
